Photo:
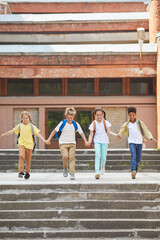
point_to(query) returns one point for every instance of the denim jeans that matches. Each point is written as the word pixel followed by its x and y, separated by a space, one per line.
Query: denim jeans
pixel 100 154
pixel 136 150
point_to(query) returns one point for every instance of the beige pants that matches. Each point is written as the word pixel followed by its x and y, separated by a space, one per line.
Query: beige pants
pixel 68 154
pixel 24 152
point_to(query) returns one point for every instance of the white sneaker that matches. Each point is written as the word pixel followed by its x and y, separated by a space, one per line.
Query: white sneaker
pixel 102 170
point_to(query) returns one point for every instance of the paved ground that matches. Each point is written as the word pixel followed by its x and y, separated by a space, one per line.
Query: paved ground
pixel 108 177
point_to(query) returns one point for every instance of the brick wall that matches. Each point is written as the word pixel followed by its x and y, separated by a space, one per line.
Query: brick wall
pixel 77 7
pixel 154 19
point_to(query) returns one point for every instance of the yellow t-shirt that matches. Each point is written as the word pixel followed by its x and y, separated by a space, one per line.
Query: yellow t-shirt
pixel 26 138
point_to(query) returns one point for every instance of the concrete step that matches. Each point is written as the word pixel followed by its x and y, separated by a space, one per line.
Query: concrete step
pixel 80 204
pixel 76 187
pixel 76 195
pixel 41 208
pixel 82 234
pixel 80 214
pixel 51 224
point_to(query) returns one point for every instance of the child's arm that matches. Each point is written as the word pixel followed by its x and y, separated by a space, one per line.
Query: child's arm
pixel 85 140
pixel 90 138
pixel 7 133
pixel 146 131
pixel 50 137
pixel 122 131
pixel 110 132
pixel 40 137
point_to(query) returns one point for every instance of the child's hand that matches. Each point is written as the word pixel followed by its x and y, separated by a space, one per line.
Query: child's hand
pixel 87 144
pixel 47 142
pixel 119 135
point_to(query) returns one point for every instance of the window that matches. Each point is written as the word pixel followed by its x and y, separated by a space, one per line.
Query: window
pixel 81 86
pixel 112 86
pixel 19 87
pixel 142 86
pixel 50 87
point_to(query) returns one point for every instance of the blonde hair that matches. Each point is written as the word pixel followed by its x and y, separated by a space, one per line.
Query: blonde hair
pixel 28 114
pixel 70 111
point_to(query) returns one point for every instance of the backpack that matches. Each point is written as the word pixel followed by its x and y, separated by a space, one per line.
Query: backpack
pixel 58 134
pixel 19 129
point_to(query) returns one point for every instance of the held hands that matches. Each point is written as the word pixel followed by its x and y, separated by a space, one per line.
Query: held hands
pixel 47 142
pixel 119 135
pixel 87 144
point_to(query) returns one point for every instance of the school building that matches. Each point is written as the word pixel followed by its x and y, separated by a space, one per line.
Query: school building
pixel 82 53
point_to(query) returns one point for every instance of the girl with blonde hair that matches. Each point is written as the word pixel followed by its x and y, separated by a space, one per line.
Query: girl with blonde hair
pixel 26 132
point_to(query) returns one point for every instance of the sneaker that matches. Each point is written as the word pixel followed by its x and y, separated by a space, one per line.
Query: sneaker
pixel 21 174
pixel 27 176
pixel 72 176
pixel 102 170
pixel 133 174
pixel 97 176
pixel 65 172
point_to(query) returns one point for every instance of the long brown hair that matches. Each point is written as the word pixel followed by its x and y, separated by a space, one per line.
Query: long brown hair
pixel 97 110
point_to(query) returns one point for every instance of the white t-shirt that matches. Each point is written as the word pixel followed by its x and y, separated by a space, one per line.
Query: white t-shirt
pixel 68 133
pixel 100 134
pixel 134 134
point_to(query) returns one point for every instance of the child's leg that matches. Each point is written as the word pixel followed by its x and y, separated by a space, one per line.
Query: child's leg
pixel 97 147
pixel 21 159
pixel 64 153
pixel 138 153
pixel 71 152
pixel 104 147
pixel 28 159
pixel 132 147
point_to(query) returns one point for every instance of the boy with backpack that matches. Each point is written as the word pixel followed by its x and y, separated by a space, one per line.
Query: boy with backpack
pixel 65 131
pixel 136 131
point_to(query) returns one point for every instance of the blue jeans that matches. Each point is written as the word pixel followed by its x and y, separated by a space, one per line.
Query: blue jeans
pixel 136 150
pixel 100 154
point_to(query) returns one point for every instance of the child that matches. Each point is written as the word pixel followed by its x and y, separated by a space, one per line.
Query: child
pixel 135 131
pixel 98 133
pixel 67 141
pixel 25 142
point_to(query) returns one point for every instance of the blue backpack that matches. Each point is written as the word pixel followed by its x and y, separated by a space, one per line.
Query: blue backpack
pixel 58 134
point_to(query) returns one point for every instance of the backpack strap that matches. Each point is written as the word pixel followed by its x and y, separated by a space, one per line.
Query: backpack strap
pixel 94 126
pixel 34 142
pixel 19 129
pixel 75 125
pixel 104 123
pixel 58 134
pixel 142 132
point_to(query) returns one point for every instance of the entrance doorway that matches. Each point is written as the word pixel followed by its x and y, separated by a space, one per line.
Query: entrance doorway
pixel 54 116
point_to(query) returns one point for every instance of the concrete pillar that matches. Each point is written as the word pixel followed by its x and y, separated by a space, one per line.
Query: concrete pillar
pixel 154 19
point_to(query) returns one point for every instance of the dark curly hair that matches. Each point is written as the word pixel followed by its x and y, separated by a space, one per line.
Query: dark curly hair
pixel 131 109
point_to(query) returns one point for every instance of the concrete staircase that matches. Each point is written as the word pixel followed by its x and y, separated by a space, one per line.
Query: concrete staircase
pixel 79 210
pixel 50 160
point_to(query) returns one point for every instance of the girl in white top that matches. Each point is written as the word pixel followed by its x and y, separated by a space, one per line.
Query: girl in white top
pixel 98 132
